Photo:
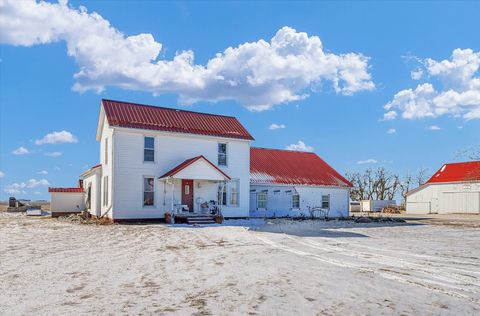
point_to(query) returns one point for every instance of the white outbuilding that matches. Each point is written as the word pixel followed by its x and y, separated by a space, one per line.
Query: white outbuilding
pixel 67 200
pixel 454 188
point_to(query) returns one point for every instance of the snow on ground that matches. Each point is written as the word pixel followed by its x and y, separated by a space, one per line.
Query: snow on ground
pixel 243 267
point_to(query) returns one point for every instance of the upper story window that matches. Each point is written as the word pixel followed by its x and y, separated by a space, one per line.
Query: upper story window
pixel 222 154
pixel 149 149
pixel 296 201
pixel 326 201
pixel 106 151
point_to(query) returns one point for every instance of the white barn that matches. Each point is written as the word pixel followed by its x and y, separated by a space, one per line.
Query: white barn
pixel 295 184
pixel 454 188
pixel 155 160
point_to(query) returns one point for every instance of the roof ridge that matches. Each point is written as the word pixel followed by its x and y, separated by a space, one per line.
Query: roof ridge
pixel 461 162
pixel 167 108
pixel 287 150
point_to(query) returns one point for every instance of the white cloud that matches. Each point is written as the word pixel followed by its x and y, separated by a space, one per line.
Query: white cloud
pixel 19 188
pixel 300 146
pixel 43 172
pixel 390 115
pixel 57 138
pixel 21 151
pixel 416 74
pixel 367 161
pixel 458 95
pixel 391 131
pixel 434 128
pixel 2 174
pixel 53 154
pixel 276 126
pixel 256 74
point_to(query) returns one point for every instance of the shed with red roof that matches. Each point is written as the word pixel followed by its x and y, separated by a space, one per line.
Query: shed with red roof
pixel 454 188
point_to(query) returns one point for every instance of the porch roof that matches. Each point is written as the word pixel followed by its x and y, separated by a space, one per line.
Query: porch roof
pixel 196 168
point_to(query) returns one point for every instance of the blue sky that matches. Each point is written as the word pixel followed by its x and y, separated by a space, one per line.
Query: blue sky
pixel 344 126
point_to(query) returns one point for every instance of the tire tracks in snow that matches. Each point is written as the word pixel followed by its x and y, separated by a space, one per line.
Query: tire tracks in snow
pixel 382 271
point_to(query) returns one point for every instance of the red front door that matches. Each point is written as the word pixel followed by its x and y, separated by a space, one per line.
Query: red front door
pixel 187 193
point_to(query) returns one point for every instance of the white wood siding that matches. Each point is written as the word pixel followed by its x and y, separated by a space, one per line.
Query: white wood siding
pixel 445 198
pixel 67 202
pixel 94 181
pixel 107 170
pixel 279 200
pixel 170 150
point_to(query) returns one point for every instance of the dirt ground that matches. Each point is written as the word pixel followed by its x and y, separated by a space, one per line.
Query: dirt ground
pixel 244 267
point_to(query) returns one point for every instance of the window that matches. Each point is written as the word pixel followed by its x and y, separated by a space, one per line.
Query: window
pixel 228 193
pixel 326 201
pixel 88 203
pixel 222 154
pixel 149 149
pixel 106 150
pixel 261 200
pixel 148 191
pixel 105 191
pixel 234 193
pixel 295 201
pixel 222 194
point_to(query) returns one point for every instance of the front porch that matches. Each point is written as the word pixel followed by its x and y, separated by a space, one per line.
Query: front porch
pixel 196 187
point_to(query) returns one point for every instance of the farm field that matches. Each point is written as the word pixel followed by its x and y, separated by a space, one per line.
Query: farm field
pixel 248 267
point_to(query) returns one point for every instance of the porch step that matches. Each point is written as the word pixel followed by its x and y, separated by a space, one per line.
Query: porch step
pixel 200 220
pixel 193 219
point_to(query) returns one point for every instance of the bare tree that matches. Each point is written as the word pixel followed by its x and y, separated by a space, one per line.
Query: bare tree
pixel 379 185
pixel 405 186
pixel 421 176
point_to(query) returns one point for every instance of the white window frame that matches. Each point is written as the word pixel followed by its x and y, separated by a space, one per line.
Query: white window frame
pixel 145 148
pixel 293 201
pixel 266 200
pixel 226 154
pixel 328 201
pixel 143 192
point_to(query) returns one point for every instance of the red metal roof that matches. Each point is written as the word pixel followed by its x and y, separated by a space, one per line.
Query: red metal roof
pixel 132 115
pixel 187 163
pixel 274 166
pixel 66 190
pixel 455 172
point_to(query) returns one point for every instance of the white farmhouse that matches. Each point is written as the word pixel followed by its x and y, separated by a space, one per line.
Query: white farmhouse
pixel 454 188
pixel 155 160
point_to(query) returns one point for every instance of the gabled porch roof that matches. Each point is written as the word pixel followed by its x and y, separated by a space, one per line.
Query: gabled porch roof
pixel 196 168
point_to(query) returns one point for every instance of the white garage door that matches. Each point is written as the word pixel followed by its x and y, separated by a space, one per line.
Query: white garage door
pixel 461 202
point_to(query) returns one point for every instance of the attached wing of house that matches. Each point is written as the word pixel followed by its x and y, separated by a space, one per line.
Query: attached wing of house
pixel 292 183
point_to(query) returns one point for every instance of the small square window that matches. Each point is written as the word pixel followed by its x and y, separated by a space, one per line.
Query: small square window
pixel 295 201
pixel 261 200
pixel 326 201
